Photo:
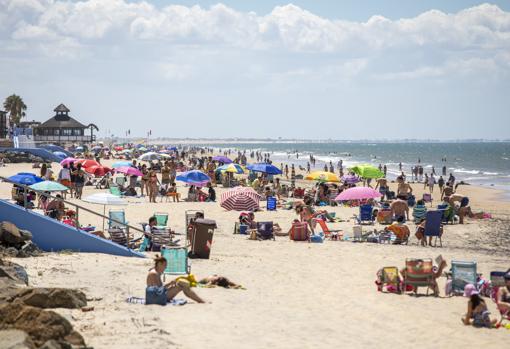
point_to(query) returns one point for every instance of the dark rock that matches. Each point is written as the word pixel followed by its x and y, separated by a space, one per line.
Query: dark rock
pixel 29 249
pixel 52 298
pixel 8 290
pixel 41 325
pixel 14 272
pixel 10 234
pixel 11 252
pixel 26 235
pixel 53 344
pixel 15 339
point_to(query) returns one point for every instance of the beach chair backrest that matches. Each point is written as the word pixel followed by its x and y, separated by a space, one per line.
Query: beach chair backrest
pixel 300 231
pixel 120 180
pixel 176 260
pixel 119 216
pixel 433 223
pixel 427 197
pixel 115 191
pixel 390 275
pixel 161 218
pixel 419 271
pixel 271 203
pixel 118 236
pixel 365 212
pixel 463 273
pixel 324 227
pixel 498 278
pixel 265 229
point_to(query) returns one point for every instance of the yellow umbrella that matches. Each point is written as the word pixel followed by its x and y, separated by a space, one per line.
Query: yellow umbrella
pixel 322 176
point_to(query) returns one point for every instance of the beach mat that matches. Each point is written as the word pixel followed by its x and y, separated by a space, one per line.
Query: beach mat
pixel 140 300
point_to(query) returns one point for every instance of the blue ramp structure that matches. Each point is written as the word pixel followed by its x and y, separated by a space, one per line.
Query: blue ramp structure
pixel 52 235
pixel 44 154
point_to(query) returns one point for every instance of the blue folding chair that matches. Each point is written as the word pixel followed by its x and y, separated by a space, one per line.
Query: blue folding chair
pixel 366 214
pixel 177 262
pixel 265 230
pixel 433 225
pixel 119 216
pixel 463 273
pixel 271 203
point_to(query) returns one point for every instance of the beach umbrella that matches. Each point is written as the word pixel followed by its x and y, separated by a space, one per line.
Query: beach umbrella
pixel 67 161
pixel 221 158
pixel 78 149
pixel 48 186
pixel 194 177
pixel 142 148
pixel 127 151
pixel 165 156
pixel 105 199
pixel 60 154
pixel 350 179
pixel 25 178
pixel 87 163
pixel 264 168
pixel 358 193
pixel 97 147
pixel 163 151
pixel 367 171
pixel 240 199
pixel 118 148
pixel 128 170
pixel 98 170
pixel 232 168
pixel 323 176
pixel 149 156
pixel 118 164
pixel 172 148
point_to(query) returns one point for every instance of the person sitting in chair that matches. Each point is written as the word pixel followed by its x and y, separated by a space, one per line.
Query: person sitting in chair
pixel 159 293
pixel 400 230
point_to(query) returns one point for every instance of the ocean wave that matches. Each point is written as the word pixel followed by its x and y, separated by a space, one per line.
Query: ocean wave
pixel 463 170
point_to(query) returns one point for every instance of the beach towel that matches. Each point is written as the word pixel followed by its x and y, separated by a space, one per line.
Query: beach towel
pixel 139 300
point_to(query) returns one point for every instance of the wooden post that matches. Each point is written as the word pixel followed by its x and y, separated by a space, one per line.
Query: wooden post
pixel 76 220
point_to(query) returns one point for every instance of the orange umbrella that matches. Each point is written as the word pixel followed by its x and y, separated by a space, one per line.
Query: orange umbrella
pixel 98 171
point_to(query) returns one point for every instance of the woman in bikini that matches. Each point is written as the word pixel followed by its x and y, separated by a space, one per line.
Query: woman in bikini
pixel 159 293
pixel 153 186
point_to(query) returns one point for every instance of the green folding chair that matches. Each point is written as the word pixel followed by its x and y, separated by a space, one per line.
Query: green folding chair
pixel 177 262
pixel 115 191
pixel 161 220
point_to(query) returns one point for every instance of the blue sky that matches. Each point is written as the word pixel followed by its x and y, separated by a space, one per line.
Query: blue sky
pixel 310 69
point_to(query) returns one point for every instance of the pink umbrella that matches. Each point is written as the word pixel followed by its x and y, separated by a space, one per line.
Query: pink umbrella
pixel 130 171
pixel 358 193
pixel 67 161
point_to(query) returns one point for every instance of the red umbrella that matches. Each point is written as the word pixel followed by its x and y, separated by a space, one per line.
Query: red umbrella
pixel 240 199
pixel 87 163
pixel 98 171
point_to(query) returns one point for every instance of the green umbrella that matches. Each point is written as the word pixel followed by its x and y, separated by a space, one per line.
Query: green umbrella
pixel 49 186
pixel 367 171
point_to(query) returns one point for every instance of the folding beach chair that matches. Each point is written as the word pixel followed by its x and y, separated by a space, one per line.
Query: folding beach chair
pixel 161 220
pixel 384 216
pixel 115 191
pixel 326 231
pixel 161 238
pixel 271 203
pixel 433 225
pixel 463 273
pixel 427 198
pixel 365 214
pixel 418 273
pixel 497 282
pixel 118 216
pixel 120 181
pixel 448 213
pixel 118 236
pixel 177 262
pixel 265 231
pixel 299 232
pixel 389 277
pixel 357 233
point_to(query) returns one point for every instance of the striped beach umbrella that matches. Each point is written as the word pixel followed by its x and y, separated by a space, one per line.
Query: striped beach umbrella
pixel 240 199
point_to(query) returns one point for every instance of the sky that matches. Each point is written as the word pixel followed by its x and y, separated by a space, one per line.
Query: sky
pixel 263 69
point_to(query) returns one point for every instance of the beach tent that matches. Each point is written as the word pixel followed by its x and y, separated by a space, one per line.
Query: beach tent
pixel 367 171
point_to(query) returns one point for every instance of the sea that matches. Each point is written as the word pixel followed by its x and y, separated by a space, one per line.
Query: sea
pixel 479 163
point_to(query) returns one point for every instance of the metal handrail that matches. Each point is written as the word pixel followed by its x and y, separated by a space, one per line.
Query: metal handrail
pixel 77 207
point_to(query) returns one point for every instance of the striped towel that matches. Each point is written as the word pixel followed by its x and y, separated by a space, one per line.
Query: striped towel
pixel 139 300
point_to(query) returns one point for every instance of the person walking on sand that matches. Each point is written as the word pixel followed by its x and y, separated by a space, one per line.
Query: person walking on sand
pixel 426 181
pixel 432 181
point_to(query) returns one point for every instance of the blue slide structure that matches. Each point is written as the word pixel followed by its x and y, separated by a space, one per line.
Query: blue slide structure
pixel 52 235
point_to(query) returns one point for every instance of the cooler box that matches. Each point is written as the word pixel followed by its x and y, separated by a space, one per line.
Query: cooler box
pixel 201 238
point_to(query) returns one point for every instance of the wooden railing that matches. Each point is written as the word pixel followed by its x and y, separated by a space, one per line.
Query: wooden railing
pixel 77 207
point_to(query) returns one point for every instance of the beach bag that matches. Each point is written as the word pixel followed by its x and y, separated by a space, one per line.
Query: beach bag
pixel 316 238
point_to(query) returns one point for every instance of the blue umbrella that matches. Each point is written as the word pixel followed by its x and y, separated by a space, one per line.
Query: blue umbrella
pixel 25 178
pixel 171 148
pixel 265 168
pixel 223 159
pixel 60 154
pixel 194 177
pixel 121 164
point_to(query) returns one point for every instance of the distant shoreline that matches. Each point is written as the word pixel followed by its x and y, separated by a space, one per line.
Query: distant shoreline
pixel 290 141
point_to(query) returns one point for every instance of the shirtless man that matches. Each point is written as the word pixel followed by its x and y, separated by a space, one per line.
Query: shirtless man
pixel 173 170
pixel 404 190
pixel 400 208
pixel 382 184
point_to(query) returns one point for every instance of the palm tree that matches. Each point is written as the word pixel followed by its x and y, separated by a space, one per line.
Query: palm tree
pixel 15 106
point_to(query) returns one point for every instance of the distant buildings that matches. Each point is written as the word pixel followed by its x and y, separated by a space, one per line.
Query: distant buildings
pixel 62 128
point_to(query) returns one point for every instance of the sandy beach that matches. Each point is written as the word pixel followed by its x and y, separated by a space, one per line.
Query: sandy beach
pixel 298 295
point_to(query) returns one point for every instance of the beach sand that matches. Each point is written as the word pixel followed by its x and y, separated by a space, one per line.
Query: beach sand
pixel 298 295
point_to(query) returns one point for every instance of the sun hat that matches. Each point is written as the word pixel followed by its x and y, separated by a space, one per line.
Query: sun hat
pixel 470 290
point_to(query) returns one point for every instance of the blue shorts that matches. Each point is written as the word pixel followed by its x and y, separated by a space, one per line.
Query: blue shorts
pixel 156 295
